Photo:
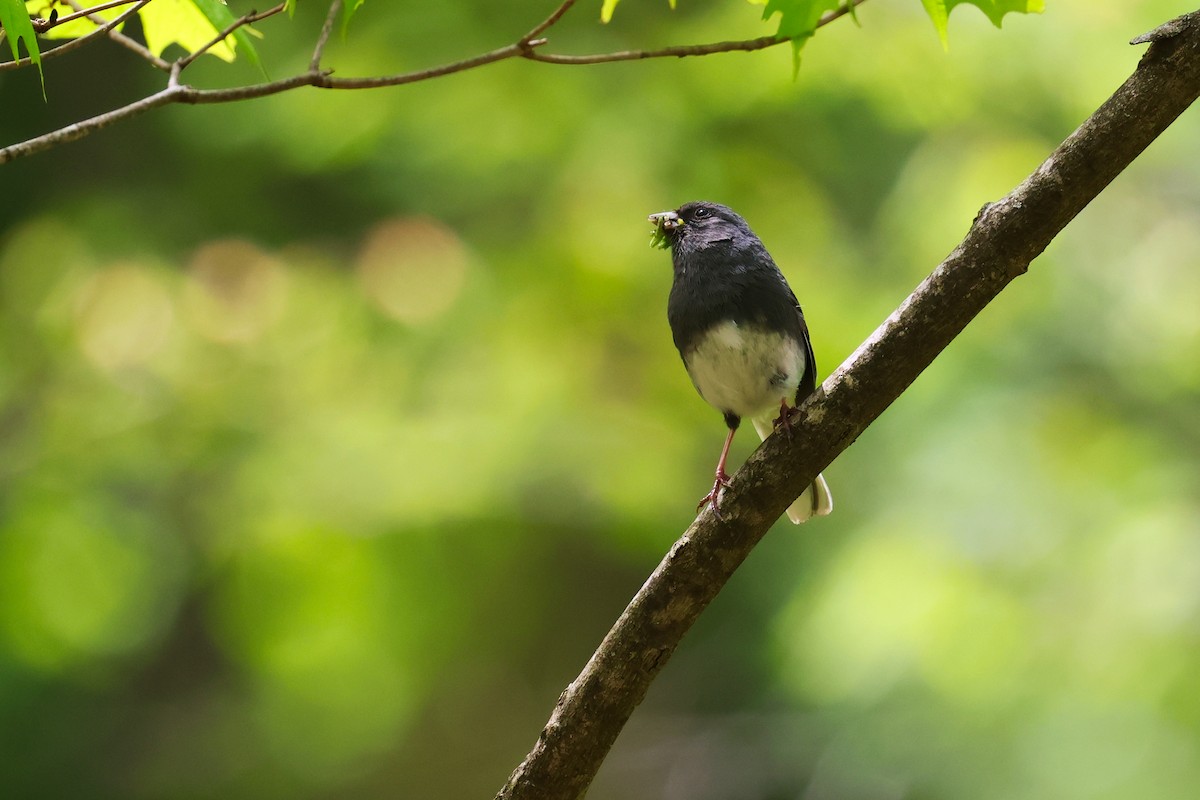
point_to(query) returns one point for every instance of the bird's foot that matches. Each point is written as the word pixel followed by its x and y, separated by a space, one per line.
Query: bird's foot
pixel 784 420
pixel 713 498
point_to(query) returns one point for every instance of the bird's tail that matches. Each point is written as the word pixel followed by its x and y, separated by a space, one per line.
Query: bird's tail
pixel 815 501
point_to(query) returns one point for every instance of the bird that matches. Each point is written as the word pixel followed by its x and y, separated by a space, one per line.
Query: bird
pixel 739 330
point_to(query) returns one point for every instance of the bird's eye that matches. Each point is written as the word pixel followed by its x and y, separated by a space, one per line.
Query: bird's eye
pixel 700 212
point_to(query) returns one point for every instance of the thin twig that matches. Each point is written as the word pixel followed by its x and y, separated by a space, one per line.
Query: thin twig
pixel 178 93
pixel 137 47
pixel 681 51
pixel 525 47
pixel 499 54
pixel 43 25
pixel 247 19
pixel 125 41
pixel 314 63
pixel 74 44
pixel 678 51
pixel 192 96
pixel 545 24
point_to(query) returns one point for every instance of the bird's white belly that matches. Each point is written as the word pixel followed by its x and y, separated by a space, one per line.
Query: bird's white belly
pixel 745 370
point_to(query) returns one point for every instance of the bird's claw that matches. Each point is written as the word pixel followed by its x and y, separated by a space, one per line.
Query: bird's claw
pixel 713 498
pixel 784 419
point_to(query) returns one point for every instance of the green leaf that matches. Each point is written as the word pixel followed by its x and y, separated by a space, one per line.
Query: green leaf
pixel 939 11
pixel 221 18
pixel 797 20
pixel 658 238
pixel 996 9
pixel 941 17
pixel 290 6
pixel 609 6
pixel 348 9
pixel 167 22
pixel 15 20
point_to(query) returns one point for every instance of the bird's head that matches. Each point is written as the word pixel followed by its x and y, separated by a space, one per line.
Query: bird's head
pixel 696 224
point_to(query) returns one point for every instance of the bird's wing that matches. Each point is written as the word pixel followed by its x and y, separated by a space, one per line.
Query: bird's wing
pixel 808 381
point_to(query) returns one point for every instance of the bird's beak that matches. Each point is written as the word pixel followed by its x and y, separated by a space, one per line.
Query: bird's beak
pixel 666 220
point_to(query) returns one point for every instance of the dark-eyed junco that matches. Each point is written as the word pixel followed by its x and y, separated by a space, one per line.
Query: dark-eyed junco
pixel 739 329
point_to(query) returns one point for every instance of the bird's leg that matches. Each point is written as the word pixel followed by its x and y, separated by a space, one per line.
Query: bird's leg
pixel 713 498
pixel 784 419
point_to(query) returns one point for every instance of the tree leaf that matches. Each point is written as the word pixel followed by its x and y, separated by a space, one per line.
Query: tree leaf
pixel 18 28
pixel 606 10
pixel 939 11
pixel 797 20
pixel 217 13
pixel 181 22
pixel 941 17
pixel 996 9
pixel 348 9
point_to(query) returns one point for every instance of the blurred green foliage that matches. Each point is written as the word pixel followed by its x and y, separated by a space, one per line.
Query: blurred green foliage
pixel 337 427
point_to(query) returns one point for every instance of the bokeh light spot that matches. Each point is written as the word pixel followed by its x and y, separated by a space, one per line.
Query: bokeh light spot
pixel 83 579
pixel 124 316
pixel 413 269
pixel 234 291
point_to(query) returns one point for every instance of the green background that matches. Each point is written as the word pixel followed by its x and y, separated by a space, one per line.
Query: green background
pixel 337 427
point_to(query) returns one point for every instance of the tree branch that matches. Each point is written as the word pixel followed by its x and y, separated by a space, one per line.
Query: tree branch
pixel 1004 238
pixel 525 47
pixel 545 24
pixel 125 41
pixel 240 22
pixel 73 44
pixel 43 25
pixel 682 51
pixel 78 130
pixel 314 64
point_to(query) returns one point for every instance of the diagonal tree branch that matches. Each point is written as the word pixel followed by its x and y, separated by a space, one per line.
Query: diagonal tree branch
pixel 1004 238
pixel 127 42
pixel 240 22
pixel 545 24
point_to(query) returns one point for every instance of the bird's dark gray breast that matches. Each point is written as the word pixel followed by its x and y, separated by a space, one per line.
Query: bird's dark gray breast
pixel 723 283
pixel 739 330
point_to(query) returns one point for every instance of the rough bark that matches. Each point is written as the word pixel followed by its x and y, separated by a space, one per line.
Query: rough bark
pixel 1004 238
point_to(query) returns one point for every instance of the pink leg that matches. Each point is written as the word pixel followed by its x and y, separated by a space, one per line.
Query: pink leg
pixel 713 498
